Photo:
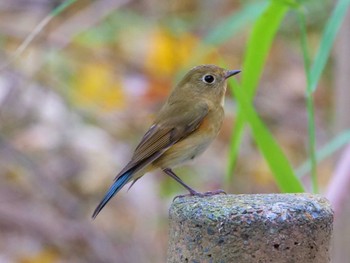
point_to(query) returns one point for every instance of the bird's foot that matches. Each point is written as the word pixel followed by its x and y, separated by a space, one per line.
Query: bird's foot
pixel 195 193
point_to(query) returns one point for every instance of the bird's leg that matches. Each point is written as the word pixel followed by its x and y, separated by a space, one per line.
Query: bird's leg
pixel 169 172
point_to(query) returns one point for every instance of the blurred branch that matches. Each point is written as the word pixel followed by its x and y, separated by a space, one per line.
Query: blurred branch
pixel 62 36
pixel 36 32
pixel 24 4
pixel 83 20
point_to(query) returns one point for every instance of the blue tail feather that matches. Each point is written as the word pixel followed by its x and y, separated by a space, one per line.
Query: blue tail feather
pixel 115 188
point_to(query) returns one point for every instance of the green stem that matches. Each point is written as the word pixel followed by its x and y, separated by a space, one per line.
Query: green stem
pixel 309 102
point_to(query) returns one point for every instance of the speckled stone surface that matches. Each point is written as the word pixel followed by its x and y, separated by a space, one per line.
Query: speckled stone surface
pixel 278 228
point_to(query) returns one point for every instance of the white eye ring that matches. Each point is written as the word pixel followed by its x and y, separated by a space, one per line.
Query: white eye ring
pixel 208 78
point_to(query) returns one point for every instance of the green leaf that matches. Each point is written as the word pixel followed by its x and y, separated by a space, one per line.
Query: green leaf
pixel 231 25
pixel 62 7
pixel 259 45
pixel 327 41
pixel 278 163
pixel 326 151
pixel 225 30
pixel 313 74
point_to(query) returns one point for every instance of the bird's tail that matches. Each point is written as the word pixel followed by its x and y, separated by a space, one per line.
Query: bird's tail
pixel 115 188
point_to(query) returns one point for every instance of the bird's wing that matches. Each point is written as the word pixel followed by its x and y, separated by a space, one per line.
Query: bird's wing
pixel 180 121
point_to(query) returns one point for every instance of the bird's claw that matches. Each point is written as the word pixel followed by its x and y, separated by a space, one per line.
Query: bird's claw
pixel 194 193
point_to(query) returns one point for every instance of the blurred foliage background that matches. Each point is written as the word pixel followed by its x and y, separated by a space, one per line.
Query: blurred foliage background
pixel 81 80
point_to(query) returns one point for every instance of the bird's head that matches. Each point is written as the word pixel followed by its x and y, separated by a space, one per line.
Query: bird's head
pixel 207 81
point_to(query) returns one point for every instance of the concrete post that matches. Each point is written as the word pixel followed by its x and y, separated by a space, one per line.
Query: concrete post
pixel 277 228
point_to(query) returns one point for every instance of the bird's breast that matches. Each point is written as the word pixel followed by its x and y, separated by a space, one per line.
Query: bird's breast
pixel 195 143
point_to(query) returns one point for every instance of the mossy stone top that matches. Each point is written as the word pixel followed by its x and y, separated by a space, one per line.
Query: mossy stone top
pixel 250 228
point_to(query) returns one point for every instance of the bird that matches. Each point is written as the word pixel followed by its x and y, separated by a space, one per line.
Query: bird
pixel 184 127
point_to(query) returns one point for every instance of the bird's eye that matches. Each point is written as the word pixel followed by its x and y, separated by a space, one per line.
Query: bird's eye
pixel 208 79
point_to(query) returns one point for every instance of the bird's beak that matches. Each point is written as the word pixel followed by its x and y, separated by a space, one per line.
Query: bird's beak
pixel 230 73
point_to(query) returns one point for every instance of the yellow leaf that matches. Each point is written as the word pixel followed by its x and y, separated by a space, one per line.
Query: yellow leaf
pixel 43 256
pixel 168 52
pixel 97 85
